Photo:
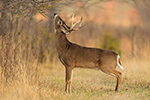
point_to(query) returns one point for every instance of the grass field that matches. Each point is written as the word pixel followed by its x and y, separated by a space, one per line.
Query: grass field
pixel 87 84
pixel 92 84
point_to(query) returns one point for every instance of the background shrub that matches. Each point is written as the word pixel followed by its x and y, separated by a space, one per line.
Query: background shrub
pixel 111 43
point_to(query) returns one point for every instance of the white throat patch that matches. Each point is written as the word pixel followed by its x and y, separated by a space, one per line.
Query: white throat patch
pixel 55 17
pixel 54 22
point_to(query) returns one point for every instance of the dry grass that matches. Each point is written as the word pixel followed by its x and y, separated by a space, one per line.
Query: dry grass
pixel 91 84
pixel 18 69
pixel 87 84
pixel 19 91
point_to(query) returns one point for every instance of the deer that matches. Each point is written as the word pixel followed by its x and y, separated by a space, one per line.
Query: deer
pixel 72 55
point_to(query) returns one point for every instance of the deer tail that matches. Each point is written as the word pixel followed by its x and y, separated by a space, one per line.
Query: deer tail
pixel 119 63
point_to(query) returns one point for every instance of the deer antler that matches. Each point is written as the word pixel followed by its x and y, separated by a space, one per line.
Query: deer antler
pixel 74 24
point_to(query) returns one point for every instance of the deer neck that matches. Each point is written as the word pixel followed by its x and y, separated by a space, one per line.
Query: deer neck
pixel 61 42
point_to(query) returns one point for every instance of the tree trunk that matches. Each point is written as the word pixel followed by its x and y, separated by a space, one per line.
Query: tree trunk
pixel 133 35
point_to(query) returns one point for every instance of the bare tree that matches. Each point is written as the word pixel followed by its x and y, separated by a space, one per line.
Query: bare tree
pixel 143 7
pixel 132 39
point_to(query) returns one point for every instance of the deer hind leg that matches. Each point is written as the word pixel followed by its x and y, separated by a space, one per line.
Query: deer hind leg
pixel 117 74
pixel 69 73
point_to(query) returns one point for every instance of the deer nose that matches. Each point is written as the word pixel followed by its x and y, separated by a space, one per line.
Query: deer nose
pixel 55 14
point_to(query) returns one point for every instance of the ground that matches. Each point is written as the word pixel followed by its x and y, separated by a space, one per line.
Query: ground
pixel 87 84
pixel 90 84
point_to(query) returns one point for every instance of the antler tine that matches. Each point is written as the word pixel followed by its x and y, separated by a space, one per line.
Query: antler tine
pixel 80 24
pixel 73 25
pixel 75 29
pixel 80 21
pixel 72 19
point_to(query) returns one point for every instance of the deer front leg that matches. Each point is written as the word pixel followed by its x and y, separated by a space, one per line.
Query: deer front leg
pixel 69 73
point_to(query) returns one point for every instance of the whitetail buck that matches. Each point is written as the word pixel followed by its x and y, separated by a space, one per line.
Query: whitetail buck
pixel 75 56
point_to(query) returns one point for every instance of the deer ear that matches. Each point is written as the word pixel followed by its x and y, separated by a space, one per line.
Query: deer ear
pixel 59 22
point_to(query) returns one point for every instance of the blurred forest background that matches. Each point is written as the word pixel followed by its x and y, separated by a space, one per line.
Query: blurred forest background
pixel 27 35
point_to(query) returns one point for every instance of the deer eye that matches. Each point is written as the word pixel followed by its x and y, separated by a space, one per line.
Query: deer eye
pixel 59 22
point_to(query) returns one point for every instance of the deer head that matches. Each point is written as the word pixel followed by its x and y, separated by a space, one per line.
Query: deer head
pixel 60 25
